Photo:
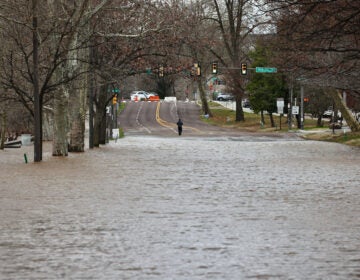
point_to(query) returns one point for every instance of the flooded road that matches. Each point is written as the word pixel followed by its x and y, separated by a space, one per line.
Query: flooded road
pixel 183 208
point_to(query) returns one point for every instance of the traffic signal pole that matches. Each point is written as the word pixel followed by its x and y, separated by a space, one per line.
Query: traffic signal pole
pixel 302 107
pixel 115 115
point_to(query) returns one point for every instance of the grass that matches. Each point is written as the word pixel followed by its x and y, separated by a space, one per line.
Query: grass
pixel 120 109
pixel 226 118
pixel 349 138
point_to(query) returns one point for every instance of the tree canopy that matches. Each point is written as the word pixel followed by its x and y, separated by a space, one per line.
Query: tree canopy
pixel 60 53
pixel 264 89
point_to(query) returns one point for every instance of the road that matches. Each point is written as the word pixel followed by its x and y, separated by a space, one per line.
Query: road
pixel 159 119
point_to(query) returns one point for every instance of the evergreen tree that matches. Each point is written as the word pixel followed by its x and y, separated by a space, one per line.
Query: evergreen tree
pixel 264 88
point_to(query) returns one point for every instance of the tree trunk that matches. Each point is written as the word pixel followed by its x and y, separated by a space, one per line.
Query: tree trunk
pixel 91 93
pixel 348 117
pixel 3 129
pixel 239 109
pixel 298 121
pixel 272 119
pixel 262 117
pixel 72 67
pixel 319 121
pixel 100 117
pixel 205 105
pixel 61 99
pixel 61 104
pixel 103 129
pixel 78 101
pixel 77 119
pixel 97 127
pixel 36 89
pixel 47 127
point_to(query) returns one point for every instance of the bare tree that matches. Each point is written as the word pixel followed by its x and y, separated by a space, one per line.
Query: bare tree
pixel 320 41
pixel 37 55
pixel 235 21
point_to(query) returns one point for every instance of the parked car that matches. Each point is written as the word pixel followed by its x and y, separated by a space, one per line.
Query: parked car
pixel 328 114
pixel 224 97
pixel 138 96
pixel 246 103
pixel 357 117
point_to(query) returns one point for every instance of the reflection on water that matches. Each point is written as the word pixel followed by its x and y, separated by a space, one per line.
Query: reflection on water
pixel 152 208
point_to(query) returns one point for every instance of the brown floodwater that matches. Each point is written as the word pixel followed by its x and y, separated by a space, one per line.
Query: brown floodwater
pixel 182 208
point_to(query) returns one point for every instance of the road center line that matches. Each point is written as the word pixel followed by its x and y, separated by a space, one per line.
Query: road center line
pixel 169 125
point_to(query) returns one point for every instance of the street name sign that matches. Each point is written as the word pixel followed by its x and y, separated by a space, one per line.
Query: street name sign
pixel 266 70
pixel 295 110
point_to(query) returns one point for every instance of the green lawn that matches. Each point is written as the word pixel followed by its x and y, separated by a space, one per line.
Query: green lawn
pixel 226 118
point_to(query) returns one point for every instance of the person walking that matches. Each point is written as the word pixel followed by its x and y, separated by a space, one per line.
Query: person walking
pixel 179 125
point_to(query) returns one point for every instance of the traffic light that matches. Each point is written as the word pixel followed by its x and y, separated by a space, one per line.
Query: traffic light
pixel 197 69
pixel 243 69
pixel 114 99
pixel 161 71
pixel 214 68
pixel 306 99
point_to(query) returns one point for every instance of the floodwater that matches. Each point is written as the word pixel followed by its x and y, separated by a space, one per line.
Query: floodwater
pixel 183 208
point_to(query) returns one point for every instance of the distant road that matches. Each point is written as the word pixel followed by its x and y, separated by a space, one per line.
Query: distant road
pixel 159 119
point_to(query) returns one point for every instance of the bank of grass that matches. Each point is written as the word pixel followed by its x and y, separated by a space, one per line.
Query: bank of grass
pixel 226 118
pixel 348 138
pixel 120 109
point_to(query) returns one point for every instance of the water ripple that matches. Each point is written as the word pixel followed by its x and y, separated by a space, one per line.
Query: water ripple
pixel 153 208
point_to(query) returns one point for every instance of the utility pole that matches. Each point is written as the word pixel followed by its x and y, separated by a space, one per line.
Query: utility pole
pixel 290 105
pixel 302 107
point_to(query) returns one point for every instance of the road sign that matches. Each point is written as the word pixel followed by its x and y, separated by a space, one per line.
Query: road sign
pixel 295 110
pixel 265 70
pixel 280 102
pixel 280 105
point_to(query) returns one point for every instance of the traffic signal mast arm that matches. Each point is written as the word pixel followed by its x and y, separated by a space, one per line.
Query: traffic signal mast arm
pixel 244 69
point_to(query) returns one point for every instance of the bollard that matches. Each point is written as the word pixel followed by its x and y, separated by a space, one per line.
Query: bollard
pixel 25 158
